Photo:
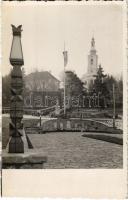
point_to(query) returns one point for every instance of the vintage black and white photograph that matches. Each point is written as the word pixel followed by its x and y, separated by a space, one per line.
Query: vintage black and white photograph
pixel 62 87
pixel 61 0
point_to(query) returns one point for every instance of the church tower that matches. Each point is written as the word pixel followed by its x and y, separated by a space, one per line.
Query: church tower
pixel 89 77
pixel 92 59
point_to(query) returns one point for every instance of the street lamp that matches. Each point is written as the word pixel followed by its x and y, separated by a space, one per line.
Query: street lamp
pixel 16 144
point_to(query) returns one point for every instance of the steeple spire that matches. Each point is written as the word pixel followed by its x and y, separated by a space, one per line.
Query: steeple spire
pixel 93 43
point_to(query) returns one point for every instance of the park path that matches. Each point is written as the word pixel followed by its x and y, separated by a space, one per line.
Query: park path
pixel 71 150
pixel 30 117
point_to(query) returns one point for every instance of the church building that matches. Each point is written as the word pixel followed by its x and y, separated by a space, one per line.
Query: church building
pixel 92 65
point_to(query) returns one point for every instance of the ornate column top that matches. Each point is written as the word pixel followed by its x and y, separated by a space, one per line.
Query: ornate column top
pixel 16 54
pixel 16 30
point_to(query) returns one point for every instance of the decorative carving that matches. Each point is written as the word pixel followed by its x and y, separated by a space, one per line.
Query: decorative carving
pixel 16 105
pixel 16 30
pixel 16 55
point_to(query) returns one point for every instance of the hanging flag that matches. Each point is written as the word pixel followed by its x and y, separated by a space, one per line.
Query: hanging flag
pixel 65 54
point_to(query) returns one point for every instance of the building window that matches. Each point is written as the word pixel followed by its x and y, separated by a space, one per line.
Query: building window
pixel 44 85
pixel 91 61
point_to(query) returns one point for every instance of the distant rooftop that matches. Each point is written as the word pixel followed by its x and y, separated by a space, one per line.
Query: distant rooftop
pixel 42 75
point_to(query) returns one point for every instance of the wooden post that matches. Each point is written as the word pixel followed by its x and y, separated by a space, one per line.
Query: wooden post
pixel 16 144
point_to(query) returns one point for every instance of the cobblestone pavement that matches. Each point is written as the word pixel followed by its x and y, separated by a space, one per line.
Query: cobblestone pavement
pixel 71 150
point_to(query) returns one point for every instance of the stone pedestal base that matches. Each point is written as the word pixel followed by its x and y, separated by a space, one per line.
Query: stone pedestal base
pixel 28 160
pixel 16 145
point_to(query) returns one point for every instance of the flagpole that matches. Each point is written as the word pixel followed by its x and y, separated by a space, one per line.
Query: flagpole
pixel 64 86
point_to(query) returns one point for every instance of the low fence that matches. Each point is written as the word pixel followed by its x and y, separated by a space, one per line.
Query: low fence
pixel 87 125
pixel 30 111
pixel 5 110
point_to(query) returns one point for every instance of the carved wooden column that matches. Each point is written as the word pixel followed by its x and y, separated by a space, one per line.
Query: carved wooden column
pixel 16 144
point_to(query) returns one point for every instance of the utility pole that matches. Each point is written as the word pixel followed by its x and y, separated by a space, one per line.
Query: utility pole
pixel 98 99
pixel 40 117
pixel 65 54
pixel 64 93
pixel 114 106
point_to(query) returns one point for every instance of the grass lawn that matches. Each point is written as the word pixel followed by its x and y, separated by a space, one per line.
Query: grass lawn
pixel 113 138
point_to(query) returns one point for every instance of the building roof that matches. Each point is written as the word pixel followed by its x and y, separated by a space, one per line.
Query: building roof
pixel 44 75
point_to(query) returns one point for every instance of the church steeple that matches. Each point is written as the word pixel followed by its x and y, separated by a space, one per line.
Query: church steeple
pixel 92 64
pixel 92 58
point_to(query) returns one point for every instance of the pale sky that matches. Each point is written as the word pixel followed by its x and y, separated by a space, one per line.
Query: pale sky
pixel 45 28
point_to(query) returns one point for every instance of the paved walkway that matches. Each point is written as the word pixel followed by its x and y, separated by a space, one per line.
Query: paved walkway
pixel 30 117
pixel 71 150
